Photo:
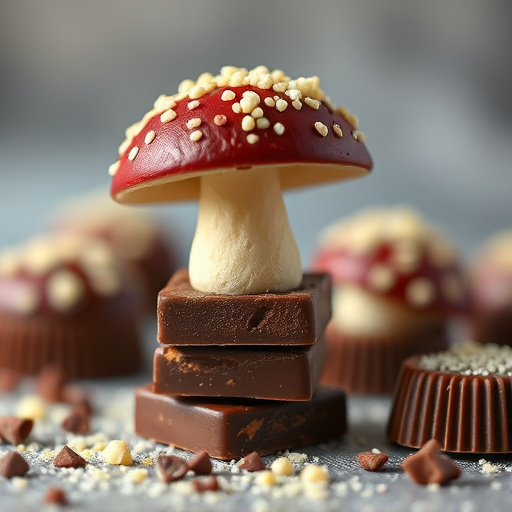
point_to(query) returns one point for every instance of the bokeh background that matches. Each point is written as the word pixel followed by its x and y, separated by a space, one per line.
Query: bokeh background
pixel 431 83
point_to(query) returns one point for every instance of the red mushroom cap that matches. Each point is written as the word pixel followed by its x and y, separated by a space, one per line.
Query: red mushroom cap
pixel 395 254
pixel 234 121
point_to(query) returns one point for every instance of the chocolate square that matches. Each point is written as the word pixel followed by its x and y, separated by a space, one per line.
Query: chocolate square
pixel 189 317
pixel 272 373
pixel 232 428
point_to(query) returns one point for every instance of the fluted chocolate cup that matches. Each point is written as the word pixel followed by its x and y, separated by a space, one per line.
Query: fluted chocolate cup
pixel 465 412
pixel 69 302
pixel 371 364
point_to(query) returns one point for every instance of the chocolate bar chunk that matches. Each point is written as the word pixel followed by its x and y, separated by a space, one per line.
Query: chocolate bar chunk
pixel 189 317
pixel 230 429
pixel 273 373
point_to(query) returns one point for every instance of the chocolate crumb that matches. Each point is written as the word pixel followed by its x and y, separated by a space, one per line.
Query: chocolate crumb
pixel 50 383
pixel 429 465
pixel 170 468
pixel 15 430
pixel 252 462
pixel 372 461
pixel 77 421
pixel 211 483
pixel 55 496
pixel 67 458
pixel 201 464
pixel 13 464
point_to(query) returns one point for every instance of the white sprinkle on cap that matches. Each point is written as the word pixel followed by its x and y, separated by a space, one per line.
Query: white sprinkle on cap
pixel 321 129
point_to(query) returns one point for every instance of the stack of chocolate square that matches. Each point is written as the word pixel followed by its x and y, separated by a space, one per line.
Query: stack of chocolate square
pixel 236 374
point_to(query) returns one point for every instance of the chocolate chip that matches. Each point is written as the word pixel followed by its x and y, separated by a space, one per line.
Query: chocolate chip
pixel 13 464
pixel 170 468
pixel 372 461
pixel 430 465
pixel 50 383
pixel 201 463
pixel 206 484
pixel 15 430
pixel 55 496
pixel 252 462
pixel 76 396
pixel 67 458
pixel 77 421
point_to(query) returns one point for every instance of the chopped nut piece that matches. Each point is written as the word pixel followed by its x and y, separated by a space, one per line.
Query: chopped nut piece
pixel 321 129
pixel 67 458
pixel 133 153
pixel 312 473
pixel 137 475
pixel 262 123
pixel 282 467
pixel 252 138
pixel 252 462
pixel 265 478
pixel 117 453
pixel 429 465
pixel 248 123
pixel 15 430
pixel 13 464
pixel 220 119
pixel 281 105
pixel 196 135
pixel 372 461
pixel 168 115
pixel 191 105
pixel 337 130
pixel 32 407
pixel 195 122
pixel 228 95
pixel 170 468
pixel 150 137
pixel 279 128
pixel 312 103
pixel 201 463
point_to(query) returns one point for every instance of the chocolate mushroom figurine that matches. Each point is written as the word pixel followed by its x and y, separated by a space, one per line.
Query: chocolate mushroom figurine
pixel 236 141
pixel 398 283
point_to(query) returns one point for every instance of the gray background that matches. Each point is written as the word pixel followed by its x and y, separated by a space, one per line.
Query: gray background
pixel 431 83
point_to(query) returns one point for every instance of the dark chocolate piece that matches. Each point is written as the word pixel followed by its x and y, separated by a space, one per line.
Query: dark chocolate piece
pixel 372 461
pixel 15 430
pixel 55 496
pixel 229 429
pixel 67 458
pixel 272 373
pixel 448 406
pixel 200 464
pixel 77 421
pixel 13 464
pixel 252 462
pixel 430 465
pixel 189 317
pixel 210 483
pixel 170 468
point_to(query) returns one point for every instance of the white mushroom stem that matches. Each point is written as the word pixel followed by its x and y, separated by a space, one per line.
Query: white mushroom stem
pixel 243 242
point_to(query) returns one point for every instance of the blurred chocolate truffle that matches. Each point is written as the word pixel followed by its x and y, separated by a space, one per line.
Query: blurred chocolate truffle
pixel 461 397
pixel 68 301
pixel 491 280
pixel 397 280
pixel 135 235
